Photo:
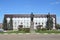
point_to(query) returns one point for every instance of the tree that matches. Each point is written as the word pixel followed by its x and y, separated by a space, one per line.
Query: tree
pixel 5 23
pixel 11 24
pixel 49 23
pixel 57 26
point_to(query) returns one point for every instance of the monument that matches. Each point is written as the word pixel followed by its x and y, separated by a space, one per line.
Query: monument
pixel 32 23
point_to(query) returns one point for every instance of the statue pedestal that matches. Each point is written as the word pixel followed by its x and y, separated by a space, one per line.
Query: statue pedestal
pixel 32 27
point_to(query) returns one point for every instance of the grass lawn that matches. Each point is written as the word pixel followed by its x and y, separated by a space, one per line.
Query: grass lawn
pixel 47 31
pixel 40 31
pixel 14 32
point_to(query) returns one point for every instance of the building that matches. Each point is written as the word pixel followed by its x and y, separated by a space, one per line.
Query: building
pixel 25 20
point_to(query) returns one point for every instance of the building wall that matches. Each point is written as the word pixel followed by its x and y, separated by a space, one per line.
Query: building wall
pixel 40 21
pixel 54 22
pixel 26 22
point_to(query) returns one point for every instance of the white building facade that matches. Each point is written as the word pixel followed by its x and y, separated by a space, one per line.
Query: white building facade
pixel 25 20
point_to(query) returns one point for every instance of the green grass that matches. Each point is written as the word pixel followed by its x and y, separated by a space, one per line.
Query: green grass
pixel 9 32
pixel 37 31
pixel 47 31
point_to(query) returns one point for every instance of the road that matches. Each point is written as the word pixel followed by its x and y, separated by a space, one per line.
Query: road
pixel 30 37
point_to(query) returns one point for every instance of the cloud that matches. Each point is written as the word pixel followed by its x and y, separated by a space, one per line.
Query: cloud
pixel 54 3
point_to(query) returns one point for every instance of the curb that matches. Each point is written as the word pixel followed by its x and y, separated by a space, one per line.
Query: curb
pixel 30 33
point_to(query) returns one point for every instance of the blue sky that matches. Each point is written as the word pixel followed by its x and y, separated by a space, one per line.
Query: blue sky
pixel 28 6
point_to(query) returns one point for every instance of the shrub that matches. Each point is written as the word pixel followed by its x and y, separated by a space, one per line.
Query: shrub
pixel 20 27
pixel 57 26
pixel 44 29
pixel 26 30
pixel 37 30
pixel 38 26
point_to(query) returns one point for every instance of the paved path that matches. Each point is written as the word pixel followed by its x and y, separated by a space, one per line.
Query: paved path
pixel 30 37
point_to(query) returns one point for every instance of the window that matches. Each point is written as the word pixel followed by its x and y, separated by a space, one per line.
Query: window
pixel 36 22
pixel 39 23
pixel 21 23
pixel 42 23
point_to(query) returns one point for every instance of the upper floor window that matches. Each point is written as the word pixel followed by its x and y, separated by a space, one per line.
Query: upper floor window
pixel 21 23
pixel 42 23
pixel 39 23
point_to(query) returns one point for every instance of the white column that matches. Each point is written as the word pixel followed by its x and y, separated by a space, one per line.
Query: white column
pixel 53 23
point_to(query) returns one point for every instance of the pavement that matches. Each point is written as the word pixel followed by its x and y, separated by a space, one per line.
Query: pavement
pixel 28 36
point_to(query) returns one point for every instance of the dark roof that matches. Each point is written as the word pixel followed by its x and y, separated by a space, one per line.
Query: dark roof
pixel 28 15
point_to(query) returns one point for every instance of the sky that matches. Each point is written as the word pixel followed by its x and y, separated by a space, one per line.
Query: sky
pixel 28 6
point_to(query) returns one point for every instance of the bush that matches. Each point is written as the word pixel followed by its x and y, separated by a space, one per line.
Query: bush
pixel 26 30
pixel 44 29
pixel 38 30
pixel 20 27
pixel 57 26
pixel 38 26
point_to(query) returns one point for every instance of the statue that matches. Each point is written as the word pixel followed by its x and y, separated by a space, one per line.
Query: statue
pixel 32 16
pixel 32 23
